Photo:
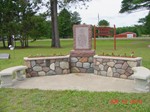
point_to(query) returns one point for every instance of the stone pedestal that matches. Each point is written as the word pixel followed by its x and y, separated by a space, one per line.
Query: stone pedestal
pixel 82 61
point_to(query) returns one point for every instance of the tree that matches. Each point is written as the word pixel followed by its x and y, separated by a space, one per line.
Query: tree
pixel 15 18
pixel 103 23
pixel 75 18
pixel 66 22
pixel 147 23
pixel 7 22
pixel 54 19
pixel 65 25
pixel 133 5
pixel 25 14
pixel 38 27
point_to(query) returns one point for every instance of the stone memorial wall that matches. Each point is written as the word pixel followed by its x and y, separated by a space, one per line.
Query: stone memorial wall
pixel 81 58
pixel 115 66
pixel 43 66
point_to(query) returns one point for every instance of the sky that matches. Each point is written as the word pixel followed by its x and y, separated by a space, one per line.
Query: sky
pixel 108 10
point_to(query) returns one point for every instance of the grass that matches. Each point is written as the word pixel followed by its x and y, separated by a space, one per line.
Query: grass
pixel 21 100
pixel 139 47
pixel 34 100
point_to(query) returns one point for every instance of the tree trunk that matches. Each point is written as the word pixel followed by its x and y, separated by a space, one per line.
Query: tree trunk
pixel 26 41
pixel 22 41
pixel 55 33
pixel 3 40
pixel 4 45
pixel 52 19
pixel 10 40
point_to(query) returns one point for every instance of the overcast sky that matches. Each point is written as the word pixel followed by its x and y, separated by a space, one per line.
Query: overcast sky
pixel 108 10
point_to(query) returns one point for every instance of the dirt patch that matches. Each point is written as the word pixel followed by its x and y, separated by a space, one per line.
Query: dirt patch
pixel 148 46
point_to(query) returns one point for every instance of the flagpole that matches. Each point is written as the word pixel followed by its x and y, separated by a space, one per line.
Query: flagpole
pixel 98 17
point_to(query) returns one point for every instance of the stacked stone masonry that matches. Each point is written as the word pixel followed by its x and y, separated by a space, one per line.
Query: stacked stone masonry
pixel 47 66
pixel 82 64
pixel 115 67
pixel 99 65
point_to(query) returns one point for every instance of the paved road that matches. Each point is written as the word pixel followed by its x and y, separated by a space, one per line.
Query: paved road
pixel 77 81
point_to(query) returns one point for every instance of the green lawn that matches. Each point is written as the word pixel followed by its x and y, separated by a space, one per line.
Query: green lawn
pixel 140 47
pixel 19 100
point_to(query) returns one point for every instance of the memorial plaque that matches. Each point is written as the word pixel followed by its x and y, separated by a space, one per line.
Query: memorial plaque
pixel 4 56
pixel 82 37
pixel 82 54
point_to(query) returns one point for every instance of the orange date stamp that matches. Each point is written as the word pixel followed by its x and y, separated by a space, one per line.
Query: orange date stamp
pixel 133 101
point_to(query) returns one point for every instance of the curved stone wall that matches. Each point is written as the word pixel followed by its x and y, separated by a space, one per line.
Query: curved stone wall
pixel 100 65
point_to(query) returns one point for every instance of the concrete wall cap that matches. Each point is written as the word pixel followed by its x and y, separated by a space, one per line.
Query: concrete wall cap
pixel 118 58
pixel 43 58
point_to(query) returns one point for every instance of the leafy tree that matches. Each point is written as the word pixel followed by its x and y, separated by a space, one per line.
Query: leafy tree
pixel 47 29
pixel 133 5
pixel 147 23
pixel 38 28
pixel 66 22
pixel 75 18
pixel 54 19
pixel 7 21
pixel 103 23
pixel 15 18
pixel 25 13
pixel 65 27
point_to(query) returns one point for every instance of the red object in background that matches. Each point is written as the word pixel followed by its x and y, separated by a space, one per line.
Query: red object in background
pixel 125 101
pixel 114 101
pixel 104 31
pixel 126 35
pixel 94 37
pixel 114 37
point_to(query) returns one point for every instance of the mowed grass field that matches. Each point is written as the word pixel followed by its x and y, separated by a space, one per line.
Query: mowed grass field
pixel 18 100
pixel 21 100
pixel 139 47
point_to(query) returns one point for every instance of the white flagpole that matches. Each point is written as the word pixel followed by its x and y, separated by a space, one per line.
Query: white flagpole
pixel 98 17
